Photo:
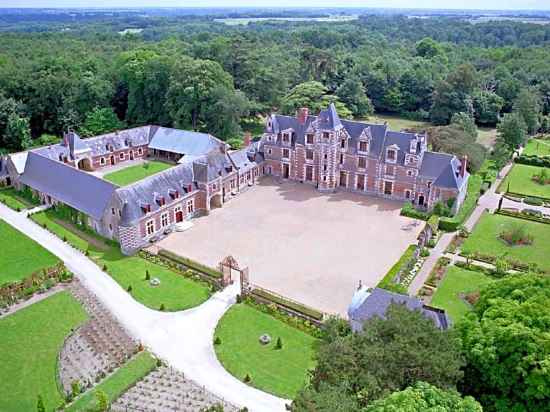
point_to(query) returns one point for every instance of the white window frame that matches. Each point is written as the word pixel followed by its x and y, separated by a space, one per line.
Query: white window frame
pixel 164 220
pixel 121 156
pixel 102 161
pixel 150 224
pixel 359 158
pixel 190 206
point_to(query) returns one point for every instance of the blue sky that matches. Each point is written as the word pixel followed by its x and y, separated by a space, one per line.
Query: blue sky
pixel 442 4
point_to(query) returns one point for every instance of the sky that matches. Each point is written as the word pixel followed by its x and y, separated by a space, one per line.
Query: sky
pixel 436 4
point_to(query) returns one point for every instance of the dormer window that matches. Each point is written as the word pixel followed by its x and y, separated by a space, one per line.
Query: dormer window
pixel 286 138
pixel 161 201
pixel 188 188
pixel 391 155
pixel 309 138
pixel 363 146
pixel 146 207
pixel 343 143
pixel 174 194
pixel 326 135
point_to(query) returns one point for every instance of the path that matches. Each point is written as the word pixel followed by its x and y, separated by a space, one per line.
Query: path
pixel 489 200
pixel 183 339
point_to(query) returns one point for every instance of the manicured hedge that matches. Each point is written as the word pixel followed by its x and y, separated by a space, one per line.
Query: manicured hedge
pixel 533 160
pixel 523 215
pixel 449 224
pixel 191 264
pixel 410 211
pixel 297 307
pixel 387 282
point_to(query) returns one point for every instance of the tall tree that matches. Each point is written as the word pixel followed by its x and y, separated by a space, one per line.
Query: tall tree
pixel 527 105
pixel 352 94
pixel 487 107
pixel 513 130
pixel 314 96
pixel 100 121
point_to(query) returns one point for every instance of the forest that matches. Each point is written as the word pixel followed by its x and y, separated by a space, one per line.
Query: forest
pixel 95 76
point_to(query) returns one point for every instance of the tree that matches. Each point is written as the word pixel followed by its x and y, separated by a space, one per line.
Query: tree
pixel 465 122
pixel 527 105
pixel 14 127
pixel 223 115
pixel 453 139
pixel 101 121
pixel 505 341
pixel 487 107
pixel 453 95
pixel 390 354
pixel 426 398
pixel 512 130
pixel 352 94
pixel 501 153
pixel 313 95
pixel 428 47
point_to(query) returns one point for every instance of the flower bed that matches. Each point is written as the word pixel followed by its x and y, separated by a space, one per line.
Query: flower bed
pixel 438 271
pixel 300 309
pixel 191 264
pixel 388 282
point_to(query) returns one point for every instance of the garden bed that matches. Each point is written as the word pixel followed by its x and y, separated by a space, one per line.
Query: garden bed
pixel 520 182
pixel 388 282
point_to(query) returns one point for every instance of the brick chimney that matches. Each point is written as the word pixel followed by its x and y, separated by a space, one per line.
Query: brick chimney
pixel 247 139
pixel 463 165
pixel 302 114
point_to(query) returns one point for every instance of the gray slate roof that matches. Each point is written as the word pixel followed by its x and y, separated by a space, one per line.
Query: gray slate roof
pixel 443 168
pixel 377 302
pixel 183 142
pixel 80 190
pixel 328 119
pixel 147 190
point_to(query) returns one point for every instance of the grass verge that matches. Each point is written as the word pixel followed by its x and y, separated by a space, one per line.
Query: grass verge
pixel 136 173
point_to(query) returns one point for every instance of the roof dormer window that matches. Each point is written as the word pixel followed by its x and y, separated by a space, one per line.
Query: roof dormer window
pixel 146 207
pixel 391 155
pixel 174 194
pixel 363 146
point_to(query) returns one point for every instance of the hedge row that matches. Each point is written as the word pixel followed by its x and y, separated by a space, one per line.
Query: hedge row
pixel 450 224
pixel 387 281
pixel 295 306
pixel 533 160
pixel 191 264
pixel 409 210
pixel 523 215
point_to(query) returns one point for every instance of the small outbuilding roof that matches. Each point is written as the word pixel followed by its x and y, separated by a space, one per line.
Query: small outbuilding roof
pixel 183 142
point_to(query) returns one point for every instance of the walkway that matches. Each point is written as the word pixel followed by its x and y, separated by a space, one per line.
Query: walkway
pixel 488 201
pixel 183 339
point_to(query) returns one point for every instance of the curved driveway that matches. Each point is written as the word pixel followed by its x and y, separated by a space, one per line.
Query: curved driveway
pixel 182 339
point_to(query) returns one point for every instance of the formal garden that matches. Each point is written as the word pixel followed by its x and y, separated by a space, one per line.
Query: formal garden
pixel 524 180
pixel 21 256
pixel 266 352
pixel 31 340
pixel 153 285
pixel 518 241
pixel 132 174
pixel 537 147
pixel 18 199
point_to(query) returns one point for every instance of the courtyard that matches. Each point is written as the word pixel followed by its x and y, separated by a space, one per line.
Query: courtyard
pixel 309 246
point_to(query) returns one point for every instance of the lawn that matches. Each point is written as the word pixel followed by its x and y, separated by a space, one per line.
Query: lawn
pixel 520 181
pixel 281 372
pixel 116 384
pixel 397 123
pixel 486 136
pixel 484 239
pixel 537 147
pixel 31 340
pixel 135 173
pixel 10 198
pixel 21 256
pixel 456 282
pixel 175 292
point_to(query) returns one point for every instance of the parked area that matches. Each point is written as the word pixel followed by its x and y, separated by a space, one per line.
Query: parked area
pixel 309 246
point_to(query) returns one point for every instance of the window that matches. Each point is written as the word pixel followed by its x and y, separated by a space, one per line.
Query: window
pixel 390 170
pixel 121 156
pixel 269 138
pixel 164 219
pixel 343 143
pixel 309 173
pixel 309 154
pixel 150 227
pixel 190 206
pixel 360 182
pixel 325 156
pixel 391 155
pixel 286 153
pixel 113 211
pixel 309 138
pixel 363 146
pixel 286 138
pixel 407 194
pixel 269 151
pixel 410 173
pixel 110 227
pixel 341 159
pixel 326 135
pixel 362 162
pixel 325 168
pixel 102 161
pixel 119 213
pixel 429 184
pixel 324 178
pixel 140 151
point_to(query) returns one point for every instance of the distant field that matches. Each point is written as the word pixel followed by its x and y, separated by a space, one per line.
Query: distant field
pixel 20 256
pixel 520 181
pixel 136 173
pixel 31 340
pixel 398 123
pixel 486 136
pixel 537 147
pixel 455 284
pixel 243 21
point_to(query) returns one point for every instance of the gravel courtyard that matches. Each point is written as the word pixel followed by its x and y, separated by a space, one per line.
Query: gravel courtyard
pixel 309 246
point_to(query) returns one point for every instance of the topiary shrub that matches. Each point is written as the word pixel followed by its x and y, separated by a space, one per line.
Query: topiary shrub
pixel 217 340
pixel 239 298
pixel 247 378
pixel 162 307
pixel 129 288
pixel 105 267
pixel 279 344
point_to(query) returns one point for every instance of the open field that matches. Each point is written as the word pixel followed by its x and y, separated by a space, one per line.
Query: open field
pixel 175 292
pixel 243 21
pixel 132 174
pixel 308 246
pixel 520 181
pixel 30 341
pixel 486 136
pixel 458 281
pixel 20 256
pixel 485 239
pixel 537 147
pixel 132 371
pixel 397 123
pixel 279 371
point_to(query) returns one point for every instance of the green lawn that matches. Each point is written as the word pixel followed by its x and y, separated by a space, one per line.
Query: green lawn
pixel 135 173
pixel 397 123
pixel 281 372
pixel 10 198
pixel 486 136
pixel 116 384
pixel 520 181
pixel 175 292
pixel 485 239
pixel 537 147
pixel 20 256
pixel 458 281
pixel 30 341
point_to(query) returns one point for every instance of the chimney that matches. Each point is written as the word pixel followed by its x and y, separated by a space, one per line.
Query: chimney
pixel 66 139
pixel 302 114
pixel 463 165
pixel 247 139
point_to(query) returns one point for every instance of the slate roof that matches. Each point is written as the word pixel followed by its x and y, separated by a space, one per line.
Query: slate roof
pixel 328 119
pixel 443 168
pixel 183 142
pixel 376 302
pixel 80 190
pixel 217 164
pixel 246 159
pixel 146 191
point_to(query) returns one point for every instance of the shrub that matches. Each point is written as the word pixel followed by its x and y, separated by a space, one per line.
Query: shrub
pixel 162 307
pixel 105 267
pixel 516 234
pixel 129 288
pixel 159 363
pixel 534 201
pixel 279 344
pixel 217 340
pixel 424 252
pixel 239 299
pixel 409 210
pixel 64 238
pixel 147 275
pixel 247 378
pixel 441 209
pixel 190 264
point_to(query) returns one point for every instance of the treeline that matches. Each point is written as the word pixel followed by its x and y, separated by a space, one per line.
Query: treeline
pixel 197 74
